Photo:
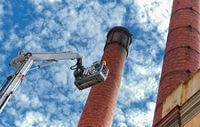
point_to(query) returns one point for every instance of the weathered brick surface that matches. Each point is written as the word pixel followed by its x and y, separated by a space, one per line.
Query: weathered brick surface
pixel 179 4
pixel 184 17
pixel 183 37
pixel 182 54
pixel 180 59
pixel 102 98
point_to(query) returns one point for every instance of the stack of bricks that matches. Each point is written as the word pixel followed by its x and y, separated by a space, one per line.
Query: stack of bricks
pixel 102 99
pixel 182 53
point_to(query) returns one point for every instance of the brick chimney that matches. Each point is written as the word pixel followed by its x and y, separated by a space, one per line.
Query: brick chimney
pixel 182 53
pixel 102 99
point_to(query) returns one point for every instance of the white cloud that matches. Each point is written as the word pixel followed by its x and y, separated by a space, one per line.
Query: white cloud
pixel 120 117
pixel 150 14
pixel 25 101
pixel 128 2
pixel 33 119
pixel 1 9
pixel 135 116
pixel 140 118
pixel 2 62
pixel 52 1
pixel 1 22
pixel 39 2
pixel 13 40
pixel 3 57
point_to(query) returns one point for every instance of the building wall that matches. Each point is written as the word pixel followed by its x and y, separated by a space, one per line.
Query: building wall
pixel 182 53
pixel 182 106
pixel 195 122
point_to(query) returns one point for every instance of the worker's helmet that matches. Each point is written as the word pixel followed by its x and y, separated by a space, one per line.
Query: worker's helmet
pixel 104 62
pixel 22 53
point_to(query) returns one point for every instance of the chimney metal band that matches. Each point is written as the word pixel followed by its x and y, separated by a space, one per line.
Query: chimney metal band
pixel 124 39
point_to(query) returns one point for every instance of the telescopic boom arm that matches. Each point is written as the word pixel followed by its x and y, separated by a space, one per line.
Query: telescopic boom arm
pixel 84 77
pixel 55 56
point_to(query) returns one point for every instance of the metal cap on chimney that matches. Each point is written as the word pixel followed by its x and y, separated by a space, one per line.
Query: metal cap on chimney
pixel 121 36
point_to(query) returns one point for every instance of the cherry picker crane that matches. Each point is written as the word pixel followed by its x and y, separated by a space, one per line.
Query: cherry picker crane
pixel 84 77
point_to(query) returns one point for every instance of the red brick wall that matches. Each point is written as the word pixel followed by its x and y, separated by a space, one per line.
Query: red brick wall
pixel 182 54
pixel 100 105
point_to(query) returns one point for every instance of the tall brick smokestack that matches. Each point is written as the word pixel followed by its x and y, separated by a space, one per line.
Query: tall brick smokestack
pixel 182 54
pixel 102 99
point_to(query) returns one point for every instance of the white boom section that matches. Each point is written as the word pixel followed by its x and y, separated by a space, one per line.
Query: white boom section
pixel 12 83
pixel 54 56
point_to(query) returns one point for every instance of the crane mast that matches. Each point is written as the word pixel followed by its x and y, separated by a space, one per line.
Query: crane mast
pixel 84 77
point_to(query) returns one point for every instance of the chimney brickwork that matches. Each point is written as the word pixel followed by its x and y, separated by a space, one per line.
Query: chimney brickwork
pixel 102 99
pixel 182 53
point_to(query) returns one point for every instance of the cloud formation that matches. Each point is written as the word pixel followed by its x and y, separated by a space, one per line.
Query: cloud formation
pixel 47 97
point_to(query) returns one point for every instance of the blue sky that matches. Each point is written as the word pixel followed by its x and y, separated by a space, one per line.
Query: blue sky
pixel 47 97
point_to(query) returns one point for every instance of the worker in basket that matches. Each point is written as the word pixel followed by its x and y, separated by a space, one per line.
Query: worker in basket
pixel 94 68
pixel 81 72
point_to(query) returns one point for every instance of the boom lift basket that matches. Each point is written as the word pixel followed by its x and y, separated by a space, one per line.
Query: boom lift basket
pixel 96 74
